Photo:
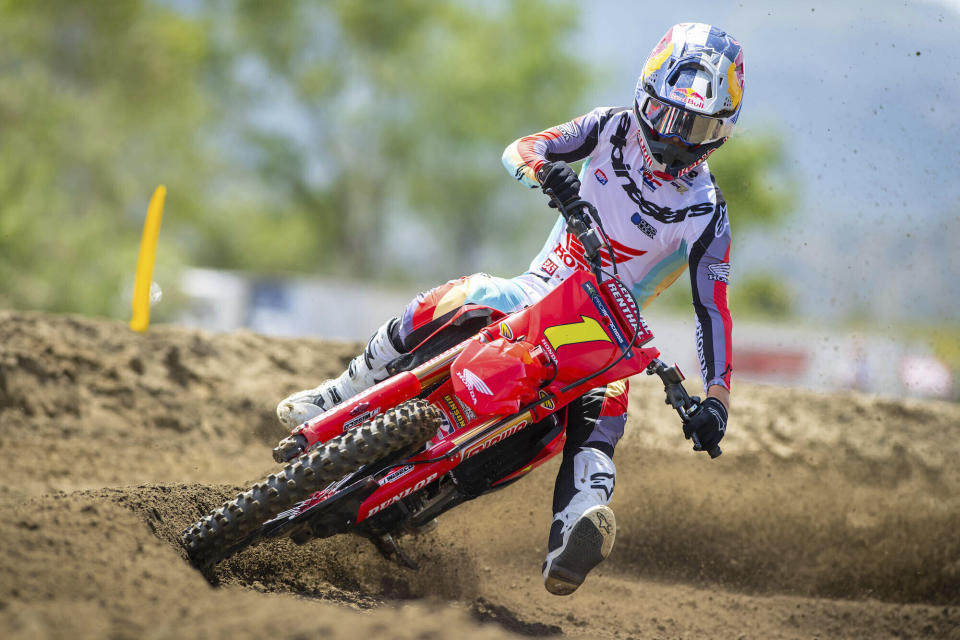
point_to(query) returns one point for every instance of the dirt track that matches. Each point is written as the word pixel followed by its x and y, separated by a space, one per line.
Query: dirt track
pixel 828 516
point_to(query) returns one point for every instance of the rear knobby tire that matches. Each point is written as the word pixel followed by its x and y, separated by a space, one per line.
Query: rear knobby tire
pixel 410 424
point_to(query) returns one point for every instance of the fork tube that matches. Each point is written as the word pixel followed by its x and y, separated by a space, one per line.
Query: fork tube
pixel 437 368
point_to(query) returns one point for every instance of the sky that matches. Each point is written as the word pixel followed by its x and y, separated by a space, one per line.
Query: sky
pixel 865 98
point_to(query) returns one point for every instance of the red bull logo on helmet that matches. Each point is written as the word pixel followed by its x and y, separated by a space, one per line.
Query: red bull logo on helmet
pixel 688 96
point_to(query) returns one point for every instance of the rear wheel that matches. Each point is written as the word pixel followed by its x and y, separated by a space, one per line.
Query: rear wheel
pixel 410 424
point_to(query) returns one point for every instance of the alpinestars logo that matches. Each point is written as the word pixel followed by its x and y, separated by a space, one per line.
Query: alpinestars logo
pixel 719 272
pixel 473 383
pixel 569 130
pixel 722 222
pixel 665 215
pixel 603 482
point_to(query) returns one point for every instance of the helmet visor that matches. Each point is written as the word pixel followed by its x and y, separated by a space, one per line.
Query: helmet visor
pixel 674 122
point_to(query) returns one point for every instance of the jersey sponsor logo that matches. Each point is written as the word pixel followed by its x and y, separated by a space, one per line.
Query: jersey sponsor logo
pixel 569 130
pixel 549 267
pixel 622 170
pixel 700 355
pixel 570 252
pixel 670 216
pixel 719 271
pixel 648 229
pixel 600 176
pixel 722 222
pixel 650 180
pixel 654 179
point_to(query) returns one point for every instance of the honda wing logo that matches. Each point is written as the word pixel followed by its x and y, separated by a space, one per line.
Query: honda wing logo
pixel 473 383
pixel 719 271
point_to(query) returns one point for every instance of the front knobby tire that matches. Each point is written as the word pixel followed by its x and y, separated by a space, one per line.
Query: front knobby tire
pixel 410 424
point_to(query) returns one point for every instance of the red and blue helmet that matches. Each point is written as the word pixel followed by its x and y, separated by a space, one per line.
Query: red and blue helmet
pixel 690 92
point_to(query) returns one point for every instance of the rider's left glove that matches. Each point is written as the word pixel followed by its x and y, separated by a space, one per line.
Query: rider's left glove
pixel 709 422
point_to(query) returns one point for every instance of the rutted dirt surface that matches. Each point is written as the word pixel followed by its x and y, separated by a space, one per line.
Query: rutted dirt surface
pixel 828 516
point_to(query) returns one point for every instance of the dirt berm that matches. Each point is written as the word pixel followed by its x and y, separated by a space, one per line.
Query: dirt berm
pixel 828 516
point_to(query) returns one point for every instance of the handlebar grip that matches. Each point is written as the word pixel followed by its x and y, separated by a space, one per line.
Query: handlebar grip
pixel 714 453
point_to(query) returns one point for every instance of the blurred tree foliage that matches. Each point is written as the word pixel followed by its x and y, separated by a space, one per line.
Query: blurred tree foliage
pixel 752 172
pixel 343 137
pixel 762 295
pixel 396 116
pixel 98 102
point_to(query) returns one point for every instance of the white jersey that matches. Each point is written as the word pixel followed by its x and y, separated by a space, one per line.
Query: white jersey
pixel 658 226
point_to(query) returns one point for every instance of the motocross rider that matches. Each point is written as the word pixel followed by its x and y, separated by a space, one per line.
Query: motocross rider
pixel 645 170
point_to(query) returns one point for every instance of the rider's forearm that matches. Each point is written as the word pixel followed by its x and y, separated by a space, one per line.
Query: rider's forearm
pixel 720 393
pixel 709 274
pixel 569 142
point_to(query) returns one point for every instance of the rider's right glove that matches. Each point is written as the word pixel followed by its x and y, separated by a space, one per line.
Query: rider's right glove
pixel 561 178
pixel 709 422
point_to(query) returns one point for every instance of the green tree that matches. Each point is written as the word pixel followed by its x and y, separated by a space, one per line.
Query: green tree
pixel 404 110
pixel 98 105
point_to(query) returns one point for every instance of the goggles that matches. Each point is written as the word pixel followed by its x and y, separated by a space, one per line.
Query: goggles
pixel 669 121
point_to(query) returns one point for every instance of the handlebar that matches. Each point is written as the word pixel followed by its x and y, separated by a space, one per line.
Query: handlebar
pixel 579 215
pixel 678 398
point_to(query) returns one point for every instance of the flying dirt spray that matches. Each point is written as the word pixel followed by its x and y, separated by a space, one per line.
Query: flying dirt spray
pixel 143 288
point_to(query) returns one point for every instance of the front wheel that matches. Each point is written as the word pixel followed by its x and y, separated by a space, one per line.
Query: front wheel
pixel 410 424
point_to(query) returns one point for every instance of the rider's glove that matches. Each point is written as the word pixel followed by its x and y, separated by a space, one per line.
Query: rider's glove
pixel 561 178
pixel 709 422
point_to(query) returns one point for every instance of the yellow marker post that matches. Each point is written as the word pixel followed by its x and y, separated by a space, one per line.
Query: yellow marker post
pixel 148 254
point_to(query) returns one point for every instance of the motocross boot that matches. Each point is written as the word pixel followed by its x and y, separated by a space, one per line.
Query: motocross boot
pixel 364 371
pixel 582 533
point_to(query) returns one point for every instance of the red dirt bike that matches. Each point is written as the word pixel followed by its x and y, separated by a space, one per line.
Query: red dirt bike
pixel 473 408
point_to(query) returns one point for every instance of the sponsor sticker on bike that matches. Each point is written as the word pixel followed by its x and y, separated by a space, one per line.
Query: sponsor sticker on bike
pixel 455 411
pixel 403 494
pixel 360 419
pixel 474 384
pixel 396 474
pixel 626 305
pixel 502 434
pixel 546 401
